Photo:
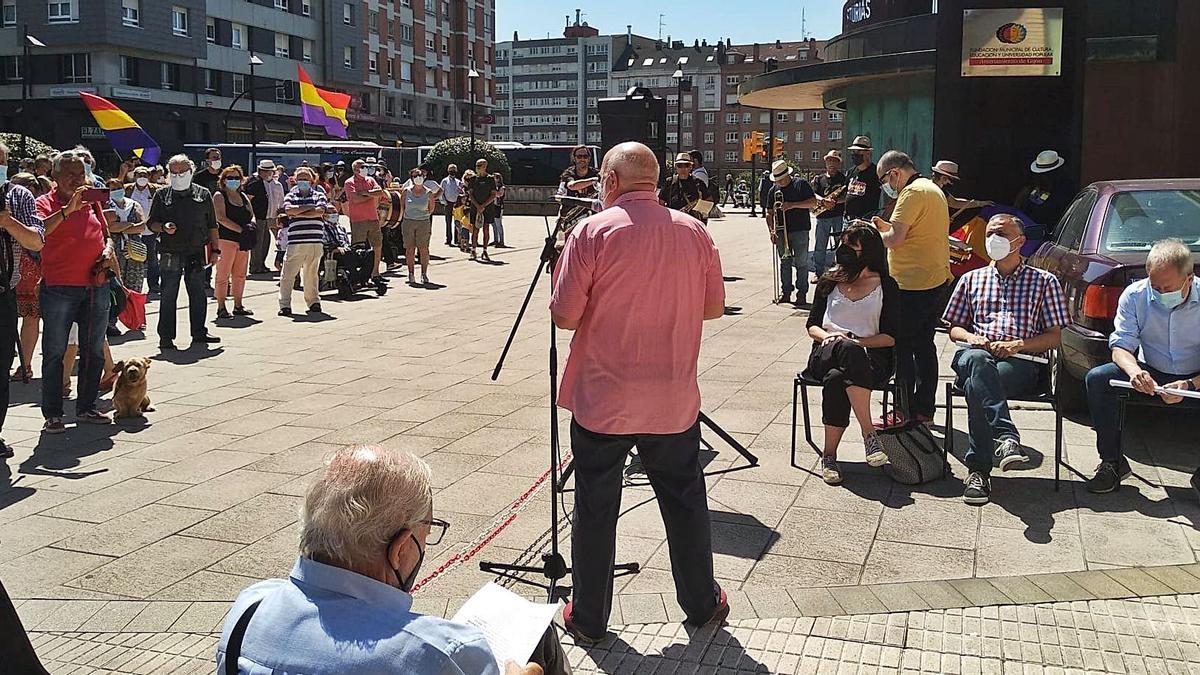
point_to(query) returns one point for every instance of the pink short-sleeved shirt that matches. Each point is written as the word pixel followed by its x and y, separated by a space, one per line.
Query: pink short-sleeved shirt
pixel 638 277
pixel 361 212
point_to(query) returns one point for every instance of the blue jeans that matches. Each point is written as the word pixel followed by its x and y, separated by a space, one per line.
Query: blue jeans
pixel 826 227
pixel 61 307
pixel 1105 409
pixel 798 243
pixel 987 383
pixel 498 230
pixel 189 269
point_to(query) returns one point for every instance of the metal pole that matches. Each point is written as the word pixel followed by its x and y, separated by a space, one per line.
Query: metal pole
pixel 472 120
pixel 678 116
pixel 253 116
pixel 770 140
pixel 25 90
pixel 753 182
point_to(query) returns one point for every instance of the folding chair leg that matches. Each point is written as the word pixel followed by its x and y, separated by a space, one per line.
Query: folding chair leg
pixel 807 417
pixel 948 446
pixel 795 388
pixel 1058 443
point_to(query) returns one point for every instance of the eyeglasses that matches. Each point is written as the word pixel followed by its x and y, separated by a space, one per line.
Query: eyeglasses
pixel 884 178
pixel 437 530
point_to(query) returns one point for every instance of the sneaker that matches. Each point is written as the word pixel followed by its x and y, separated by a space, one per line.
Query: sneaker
pixel 892 419
pixel 979 489
pixel 314 308
pixel 112 331
pixel 581 639
pixel 206 338
pixel 92 417
pixel 875 454
pixel 1009 453
pixel 1109 476
pixel 53 425
pixel 285 311
pixel 830 473
pixel 784 298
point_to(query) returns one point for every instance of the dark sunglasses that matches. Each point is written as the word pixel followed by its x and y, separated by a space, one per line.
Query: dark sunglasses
pixel 583 156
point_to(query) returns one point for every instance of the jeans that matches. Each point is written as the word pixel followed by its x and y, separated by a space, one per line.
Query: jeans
pixel 672 463
pixel 916 354
pixel 188 268
pixel 988 383
pixel 798 243
pixel 9 339
pixel 498 230
pixel 153 270
pixel 1105 409
pixel 61 307
pixel 826 227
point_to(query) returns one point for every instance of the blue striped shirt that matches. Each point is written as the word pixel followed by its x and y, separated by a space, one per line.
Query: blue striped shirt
pixel 305 229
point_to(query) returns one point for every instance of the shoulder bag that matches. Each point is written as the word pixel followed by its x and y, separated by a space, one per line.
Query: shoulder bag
pixel 914 456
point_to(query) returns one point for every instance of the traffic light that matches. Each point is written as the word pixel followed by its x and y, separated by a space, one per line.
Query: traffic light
pixel 752 145
pixel 776 147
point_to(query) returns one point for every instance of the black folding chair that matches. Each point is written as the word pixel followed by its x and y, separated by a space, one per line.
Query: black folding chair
pixel 800 387
pixel 1043 394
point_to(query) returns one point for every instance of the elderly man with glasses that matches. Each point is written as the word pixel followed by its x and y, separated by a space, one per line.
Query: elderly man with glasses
pixel 346 607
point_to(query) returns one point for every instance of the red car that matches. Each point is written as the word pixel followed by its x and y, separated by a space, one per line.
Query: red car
pixel 1097 249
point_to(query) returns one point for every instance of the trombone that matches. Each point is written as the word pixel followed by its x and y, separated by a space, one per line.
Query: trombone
pixel 780 248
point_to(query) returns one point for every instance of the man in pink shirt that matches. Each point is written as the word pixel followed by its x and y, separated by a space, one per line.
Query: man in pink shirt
pixel 362 197
pixel 636 282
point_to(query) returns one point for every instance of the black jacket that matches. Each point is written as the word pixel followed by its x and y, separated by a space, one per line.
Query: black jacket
pixel 193 215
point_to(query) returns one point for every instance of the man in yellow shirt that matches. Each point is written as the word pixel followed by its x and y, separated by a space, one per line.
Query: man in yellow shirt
pixel 919 260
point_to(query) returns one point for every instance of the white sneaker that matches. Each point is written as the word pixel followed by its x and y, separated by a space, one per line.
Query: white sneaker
pixel 874 448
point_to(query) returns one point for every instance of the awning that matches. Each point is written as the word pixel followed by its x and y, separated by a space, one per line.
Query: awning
pixel 806 87
pixel 278 127
pixel 239 125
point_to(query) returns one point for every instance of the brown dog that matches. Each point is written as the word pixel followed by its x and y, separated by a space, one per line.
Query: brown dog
pixel 130 398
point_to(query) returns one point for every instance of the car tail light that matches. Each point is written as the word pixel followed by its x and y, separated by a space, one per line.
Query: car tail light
pixel 1100 302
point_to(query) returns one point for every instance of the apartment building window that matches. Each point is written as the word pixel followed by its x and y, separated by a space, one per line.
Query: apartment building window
pixel 799 155
pixel 708 137
pixel 816 155
pixel 283 94
pixel 210 30
pixel 745 118
pixel 405 108
pixel 348 57
pixel 306 47
pixel 237 36
pixel 372 21
pixel 405 71
pixel 130 13
pixel 731 155
pixel 306 7
pixel 731 137
pixel 372 62
pixel 731 79
pixel 835 134
pixel 366 103
pixel 835 117
pixel 431 112
pixel 179 21
pixel 799 116
pixel 210 80
pixel 169 76
pixel 12 68
pixel 8 14
pixel 800 136
pixel 281 46
pixel 816 115
pixel 687 119
pixel 348 14
pixel 781 117
pixel 730 118
pixel 708 155
pixel 430 46
pixel 239 84
pixel 62 11
pixel 389 106
pixel 75 68
pixel 445 114
pixel 816 136
pixel 430 8
pixel 126 70
pixel 671 117
pixel 281 4
pixel 710 118
pixel 406 34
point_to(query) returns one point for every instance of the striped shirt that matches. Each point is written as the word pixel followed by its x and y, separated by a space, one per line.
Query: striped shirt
pixel 1022 305
pixel 23 210
pixel 305 229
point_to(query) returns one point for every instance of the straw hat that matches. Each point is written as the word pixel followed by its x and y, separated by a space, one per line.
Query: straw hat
pixel 946 168
pixel 1047 160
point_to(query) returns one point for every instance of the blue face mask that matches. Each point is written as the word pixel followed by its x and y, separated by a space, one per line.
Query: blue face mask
pixel 116 195
pixel 304 185
pixel 1170 300
pixel 233 183
pixel 3 172
pixel 888 190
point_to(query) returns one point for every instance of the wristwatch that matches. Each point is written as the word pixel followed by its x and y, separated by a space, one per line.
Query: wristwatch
pixel 1191 385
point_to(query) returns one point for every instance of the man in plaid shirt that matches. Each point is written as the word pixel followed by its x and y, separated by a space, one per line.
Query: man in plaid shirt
pixel 1001 310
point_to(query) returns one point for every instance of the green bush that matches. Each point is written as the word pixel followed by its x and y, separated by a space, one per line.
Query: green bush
pixel 33 147
pixel 458 151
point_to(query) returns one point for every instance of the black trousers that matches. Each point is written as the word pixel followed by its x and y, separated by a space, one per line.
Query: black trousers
pixel 843 364
pixel 9 338
pixel 188 269
pixel 916 354
pixel 672 463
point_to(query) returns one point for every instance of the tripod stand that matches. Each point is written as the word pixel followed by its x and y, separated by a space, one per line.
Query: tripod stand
pixel 553 566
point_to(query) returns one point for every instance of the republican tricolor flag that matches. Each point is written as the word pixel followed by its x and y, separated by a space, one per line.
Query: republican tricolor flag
pixel 321 107
pixel 126 136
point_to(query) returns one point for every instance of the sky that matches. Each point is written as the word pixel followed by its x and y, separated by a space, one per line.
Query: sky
pixel 687 20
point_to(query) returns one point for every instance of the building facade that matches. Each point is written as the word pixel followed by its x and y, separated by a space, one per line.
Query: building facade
pixel 182 68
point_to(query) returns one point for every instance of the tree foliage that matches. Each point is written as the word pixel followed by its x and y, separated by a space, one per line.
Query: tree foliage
pixel 33 147
pixel 458 151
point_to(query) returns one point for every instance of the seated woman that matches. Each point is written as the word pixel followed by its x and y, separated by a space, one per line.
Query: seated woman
pixel 853 322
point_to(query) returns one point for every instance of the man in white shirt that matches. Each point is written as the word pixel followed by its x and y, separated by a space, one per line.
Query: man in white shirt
pixel 451 193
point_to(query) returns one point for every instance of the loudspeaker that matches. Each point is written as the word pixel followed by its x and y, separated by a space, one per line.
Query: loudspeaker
pixel 638 116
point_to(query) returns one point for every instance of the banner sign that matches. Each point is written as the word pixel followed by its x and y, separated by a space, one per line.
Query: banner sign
pixel 1012 42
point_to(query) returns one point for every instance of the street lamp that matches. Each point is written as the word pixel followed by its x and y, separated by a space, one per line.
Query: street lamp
pixel 254 61
pixel 472 75
pixel 30 41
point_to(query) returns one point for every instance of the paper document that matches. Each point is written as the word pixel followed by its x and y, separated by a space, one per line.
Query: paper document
pixel 1024 357
pixel 1158 389
pixel 704 206
pixel 512 625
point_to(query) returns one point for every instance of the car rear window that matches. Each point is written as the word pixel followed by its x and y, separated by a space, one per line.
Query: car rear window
pixel 1135 220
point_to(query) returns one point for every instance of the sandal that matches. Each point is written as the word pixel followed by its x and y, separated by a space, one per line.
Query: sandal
pixel 223 313
pixel 485 256
pixel 242 311
pixel 20 375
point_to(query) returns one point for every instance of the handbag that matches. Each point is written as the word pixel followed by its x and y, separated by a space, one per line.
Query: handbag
pixel 913 454
pixel 134 313
pixel 135 250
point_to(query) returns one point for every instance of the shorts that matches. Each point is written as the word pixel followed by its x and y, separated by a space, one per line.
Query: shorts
pixel 489 214
pixel 369 231
pixel 416 233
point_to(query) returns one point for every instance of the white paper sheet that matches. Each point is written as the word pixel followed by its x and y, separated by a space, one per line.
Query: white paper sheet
pixel 1024 357
pixel 512 625
pixel 1158 389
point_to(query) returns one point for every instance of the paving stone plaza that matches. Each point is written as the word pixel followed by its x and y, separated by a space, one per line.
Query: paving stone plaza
pixel 123 546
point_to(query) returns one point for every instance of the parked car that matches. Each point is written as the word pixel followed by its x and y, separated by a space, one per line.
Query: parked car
pixel 1097 249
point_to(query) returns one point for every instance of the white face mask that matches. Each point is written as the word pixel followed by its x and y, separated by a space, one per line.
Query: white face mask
pixel 181 181
pixel 143 181
pixel 214 164
pixel 998 246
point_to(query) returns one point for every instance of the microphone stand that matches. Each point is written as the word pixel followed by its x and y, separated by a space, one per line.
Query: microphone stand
pixel 554 567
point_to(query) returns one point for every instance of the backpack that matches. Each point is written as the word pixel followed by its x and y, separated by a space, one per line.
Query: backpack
pixel 913 454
